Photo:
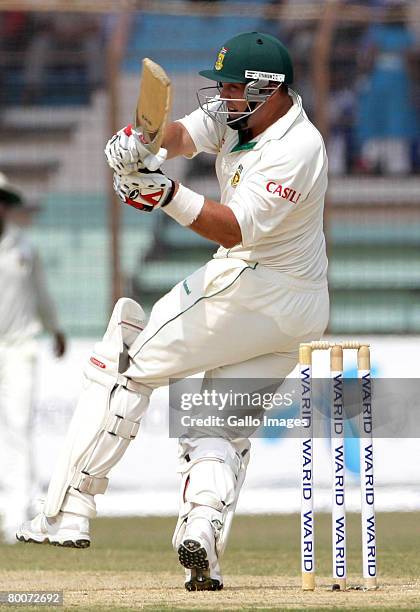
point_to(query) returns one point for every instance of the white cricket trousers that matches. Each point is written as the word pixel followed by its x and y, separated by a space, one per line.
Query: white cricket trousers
pixel 229 319
pixel 17 378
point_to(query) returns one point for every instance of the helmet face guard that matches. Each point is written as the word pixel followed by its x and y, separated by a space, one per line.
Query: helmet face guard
pixel 256 92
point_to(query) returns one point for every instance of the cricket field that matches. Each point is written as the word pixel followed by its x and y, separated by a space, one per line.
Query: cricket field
pixel 131 566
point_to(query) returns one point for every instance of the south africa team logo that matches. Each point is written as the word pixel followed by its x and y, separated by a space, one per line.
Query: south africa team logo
pixel 220 58
pixel 237 176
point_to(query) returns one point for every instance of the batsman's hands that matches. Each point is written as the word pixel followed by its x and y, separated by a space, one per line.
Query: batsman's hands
pixel 144 190
pixel 126 152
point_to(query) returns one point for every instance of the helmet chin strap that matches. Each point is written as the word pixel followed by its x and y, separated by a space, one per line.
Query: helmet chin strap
pixel 241 123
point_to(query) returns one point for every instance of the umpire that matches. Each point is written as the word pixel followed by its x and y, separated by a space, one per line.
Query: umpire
pixel 26 309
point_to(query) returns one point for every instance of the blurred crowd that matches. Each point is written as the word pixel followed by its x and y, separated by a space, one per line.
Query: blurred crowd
pixel 374 104
pixel 35 46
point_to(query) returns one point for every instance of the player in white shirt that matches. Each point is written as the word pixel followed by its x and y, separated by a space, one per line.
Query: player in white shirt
pixel 25 310
pixel 241 316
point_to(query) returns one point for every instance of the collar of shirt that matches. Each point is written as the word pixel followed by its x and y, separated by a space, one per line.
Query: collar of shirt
pixel 277 129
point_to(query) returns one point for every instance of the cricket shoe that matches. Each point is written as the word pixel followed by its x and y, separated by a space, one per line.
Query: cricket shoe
pixel 197 553
pixel 65 529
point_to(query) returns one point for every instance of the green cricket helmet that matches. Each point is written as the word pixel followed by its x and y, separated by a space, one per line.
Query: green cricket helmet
pixel 258 60
pixel 251 52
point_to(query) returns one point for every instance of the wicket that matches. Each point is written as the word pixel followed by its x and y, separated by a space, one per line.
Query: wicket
pixel 338 463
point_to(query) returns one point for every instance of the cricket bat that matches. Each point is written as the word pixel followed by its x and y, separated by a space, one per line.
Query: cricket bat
pixel 153 105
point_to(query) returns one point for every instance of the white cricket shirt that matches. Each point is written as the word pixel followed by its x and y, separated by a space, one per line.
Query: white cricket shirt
pixel 276 186
pixel 25 305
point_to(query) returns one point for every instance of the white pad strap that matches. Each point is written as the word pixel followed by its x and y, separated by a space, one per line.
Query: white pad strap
pixel 132 385
pixel 119 426
pixel 89 484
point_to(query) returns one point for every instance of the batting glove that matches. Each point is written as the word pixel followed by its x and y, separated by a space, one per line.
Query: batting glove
pixel 144 190
pixel 127 152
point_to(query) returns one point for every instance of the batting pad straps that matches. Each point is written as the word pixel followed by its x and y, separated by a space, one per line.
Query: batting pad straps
pixel 89 484
pixel 115 425
pixel 185 206
pixel 119 426
pixel 132 385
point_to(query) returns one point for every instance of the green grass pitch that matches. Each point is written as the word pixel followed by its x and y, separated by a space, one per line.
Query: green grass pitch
pixel 131 566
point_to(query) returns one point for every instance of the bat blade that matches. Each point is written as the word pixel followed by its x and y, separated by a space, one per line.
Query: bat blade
pixel 154 104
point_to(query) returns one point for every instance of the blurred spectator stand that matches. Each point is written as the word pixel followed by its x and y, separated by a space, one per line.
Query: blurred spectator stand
pixel 387 124
pixel 50 57
pixel 63 45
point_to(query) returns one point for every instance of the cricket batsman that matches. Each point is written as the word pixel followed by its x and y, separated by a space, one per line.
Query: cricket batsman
pixel 242 315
